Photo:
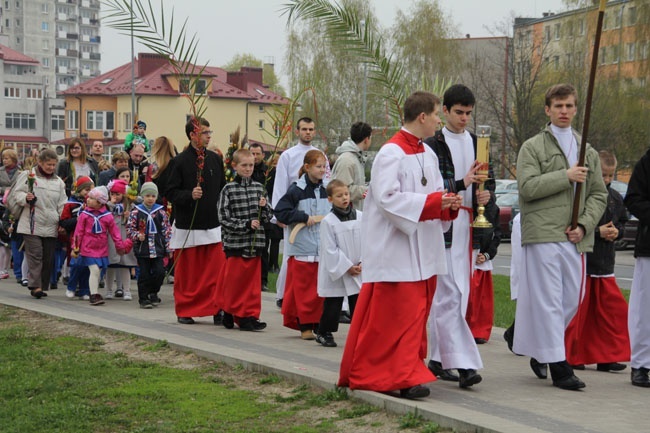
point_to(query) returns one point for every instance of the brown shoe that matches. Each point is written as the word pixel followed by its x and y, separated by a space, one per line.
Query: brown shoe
pixel 307 334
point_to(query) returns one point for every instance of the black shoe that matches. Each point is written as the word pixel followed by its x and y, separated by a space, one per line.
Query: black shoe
pixel 344 317
pixel 509 336
pixel 611 366
pixel 119 293
pixel 326 339
pixel 278 303
pixel 480 340
pixel 441 373
pixel 257 325
pixel 53 287
pixel 102 284
pixel 38 294
pixel 468 377
pixel 96 299
pixel 24 282
pixel 217 319
pixel 146 305
pixel 414 392
pixel 154 299
pixel 578 366
pixel 571 383
pixel 251 324
pixel 186 321
pixel 540 370
pixel 265 288
pixel 640 377
pixel 228 321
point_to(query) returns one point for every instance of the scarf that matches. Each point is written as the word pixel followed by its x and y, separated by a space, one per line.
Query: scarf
pixel 347 214
pixel 97 226
pixel 151 224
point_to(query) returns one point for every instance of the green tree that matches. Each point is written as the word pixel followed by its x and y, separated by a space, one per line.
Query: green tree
pixel 269 76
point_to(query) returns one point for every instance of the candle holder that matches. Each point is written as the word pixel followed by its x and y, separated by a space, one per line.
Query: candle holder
pixel 483 156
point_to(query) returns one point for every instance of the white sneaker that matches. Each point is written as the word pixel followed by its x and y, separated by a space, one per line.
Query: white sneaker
pixel 109 295
pixel 69 294
pixel 127 296
pixel 4 275
pixel 86 297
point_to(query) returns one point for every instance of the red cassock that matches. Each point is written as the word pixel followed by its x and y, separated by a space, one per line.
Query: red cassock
pixel 301 302
pixel 598 333
pixel 240 288
pixel 381 357
pixel 196 277
pixel 480 305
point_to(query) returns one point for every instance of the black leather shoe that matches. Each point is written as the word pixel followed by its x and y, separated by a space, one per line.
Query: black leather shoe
pixel 571 383
pixel 540 370
pixel 185 320
pixel 344 317
pixel 228 321
pixel 509 336
pixel 417 391
pixel 278 303
pixel 217 319
pixel 480 340
pixel 578 366
pixel 611 366
pixel 640 377
pixel 441 373
pixel 468 377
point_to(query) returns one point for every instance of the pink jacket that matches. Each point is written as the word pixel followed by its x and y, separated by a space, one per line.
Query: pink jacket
pixel 91 235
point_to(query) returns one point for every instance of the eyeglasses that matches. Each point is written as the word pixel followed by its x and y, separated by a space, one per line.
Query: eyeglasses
pixel 75 148
pixel 207 132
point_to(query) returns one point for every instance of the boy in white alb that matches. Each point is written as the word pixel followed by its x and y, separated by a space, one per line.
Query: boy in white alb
pixel 450 338
pixel 339 269
pixel 553 263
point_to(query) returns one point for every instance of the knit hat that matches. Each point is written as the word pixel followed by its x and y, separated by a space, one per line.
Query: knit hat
pixel 82 183
pixel 99 193
pixel 141 124
pixel 149 188
pixel 117 186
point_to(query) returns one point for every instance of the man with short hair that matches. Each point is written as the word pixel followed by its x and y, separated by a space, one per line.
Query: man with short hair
pixel 195 182
pixel 349 167
pixel 286 173
pixel 97 151
pixel 120 160
pixel 138 160
pixel 452 344
pixel 553 259
pixel 259 175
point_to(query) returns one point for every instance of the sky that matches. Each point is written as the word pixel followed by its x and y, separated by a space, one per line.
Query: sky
pixel 225 28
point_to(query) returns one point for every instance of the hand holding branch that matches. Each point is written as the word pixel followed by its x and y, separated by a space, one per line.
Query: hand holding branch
pixel 577 173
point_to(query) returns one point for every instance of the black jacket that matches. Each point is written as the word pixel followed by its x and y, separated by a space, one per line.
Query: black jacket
pixel 182 180
pixel 637 200
pixel 64 172
pixel 601 260
pixel 438 144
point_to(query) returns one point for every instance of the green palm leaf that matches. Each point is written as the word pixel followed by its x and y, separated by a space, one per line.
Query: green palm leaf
pixel 346 33
pixel 160 36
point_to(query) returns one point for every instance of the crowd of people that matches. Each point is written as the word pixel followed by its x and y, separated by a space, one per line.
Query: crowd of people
pixel 98 225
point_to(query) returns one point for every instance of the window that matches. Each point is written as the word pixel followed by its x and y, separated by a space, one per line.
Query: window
pixel 34 94
pixel 631 16
pixel 556 31
pixel 12 92
pixel 569 29
pixel 260 108
pixel 46 44
pixel 8 23
pixel 45 26
pixel 631 51
pixel 580 60
pixel 556 62
pixel 100 120
pixel 614 53
pixel 643 51
pixel 605 19
pixel 45 61
pixel 45 8
pixel 58 122
pixel 581 27
pixel 7 5
pixel 17 4
pixel 185 84
pixel 617 19
pixel 547 35
pixel 127 123
pixel 73 119
pixel 20 121
pixel 260 124
pixel 569 60
pixel 603 56
pixel 17 22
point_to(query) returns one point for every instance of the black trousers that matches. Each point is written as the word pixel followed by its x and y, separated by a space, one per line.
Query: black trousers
pixel 152 274
pixel 329 321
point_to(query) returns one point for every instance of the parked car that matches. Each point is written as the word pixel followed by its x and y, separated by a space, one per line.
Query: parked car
pixel 629 234
pixel 505 186
pixel 506 203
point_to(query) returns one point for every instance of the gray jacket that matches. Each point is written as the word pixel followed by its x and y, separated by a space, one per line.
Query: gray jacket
pixel 349 169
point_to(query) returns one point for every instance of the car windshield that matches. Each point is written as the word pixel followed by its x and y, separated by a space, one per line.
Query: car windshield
pixel 508 200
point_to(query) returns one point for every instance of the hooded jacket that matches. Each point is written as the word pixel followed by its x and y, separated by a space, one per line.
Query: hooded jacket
pixel 349 169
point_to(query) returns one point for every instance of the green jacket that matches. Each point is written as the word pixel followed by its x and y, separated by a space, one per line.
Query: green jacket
pixel 546 194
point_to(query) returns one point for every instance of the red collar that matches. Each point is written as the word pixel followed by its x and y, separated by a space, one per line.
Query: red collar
pixel 408 142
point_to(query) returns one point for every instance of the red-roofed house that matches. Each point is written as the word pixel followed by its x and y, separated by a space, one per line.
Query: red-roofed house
pixel 100 108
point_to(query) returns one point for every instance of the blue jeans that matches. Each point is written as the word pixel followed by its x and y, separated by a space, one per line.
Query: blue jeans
pixel 79 275
pixel 18 255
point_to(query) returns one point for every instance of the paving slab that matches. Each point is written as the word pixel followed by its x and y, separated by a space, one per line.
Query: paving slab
pixel 509 400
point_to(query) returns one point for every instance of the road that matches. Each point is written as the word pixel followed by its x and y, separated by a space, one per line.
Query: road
pixel 623 270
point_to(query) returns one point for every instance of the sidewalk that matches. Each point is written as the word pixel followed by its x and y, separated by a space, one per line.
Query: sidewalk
pixel 510 399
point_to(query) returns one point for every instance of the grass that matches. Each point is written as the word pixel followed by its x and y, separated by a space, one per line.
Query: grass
pixel 64 383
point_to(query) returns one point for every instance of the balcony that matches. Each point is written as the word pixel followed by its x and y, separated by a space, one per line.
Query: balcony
pixel 74 36
pixel 85 72
pixel 73 53
pixel 85 38
pixel 85 21
pixel 72 18
pixel 85 3
pixel 97 39
pixel 85 56
pixel 61 69
pixel 95 56
pixel 61 16
pixel 61 35
pixel 61 52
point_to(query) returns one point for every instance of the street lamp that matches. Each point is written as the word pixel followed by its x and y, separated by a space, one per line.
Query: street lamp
pixel 365 76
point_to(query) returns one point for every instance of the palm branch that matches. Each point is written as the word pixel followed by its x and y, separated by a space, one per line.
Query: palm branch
pixel 161 37
pixel 346 33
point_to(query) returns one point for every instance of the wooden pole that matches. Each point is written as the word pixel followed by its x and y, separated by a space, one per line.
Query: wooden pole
pixel 585 127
